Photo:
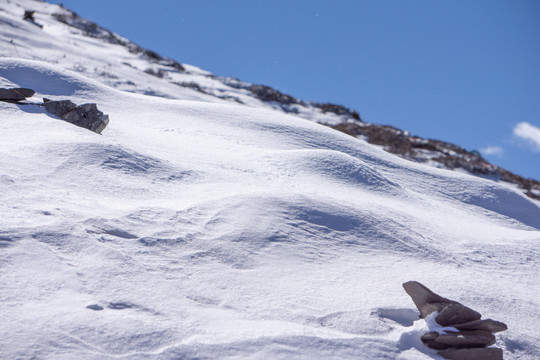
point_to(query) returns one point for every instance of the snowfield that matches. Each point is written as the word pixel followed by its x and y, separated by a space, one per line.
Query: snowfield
pixel 212 225
pixel 196 230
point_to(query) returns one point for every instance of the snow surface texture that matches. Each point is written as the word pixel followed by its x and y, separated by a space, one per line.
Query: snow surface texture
pixel 200 229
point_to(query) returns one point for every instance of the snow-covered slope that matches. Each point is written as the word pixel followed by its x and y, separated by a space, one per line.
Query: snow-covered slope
pixel 220 231
pixel 59 36
pixel 202 228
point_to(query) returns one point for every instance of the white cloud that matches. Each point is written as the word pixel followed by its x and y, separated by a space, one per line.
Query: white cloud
pixel 492 150
pixel 529 133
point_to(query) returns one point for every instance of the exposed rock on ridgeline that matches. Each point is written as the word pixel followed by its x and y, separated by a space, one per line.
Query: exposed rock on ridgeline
pixel 474 335
pixel 86 115
pixel 92 29
pixel 445 155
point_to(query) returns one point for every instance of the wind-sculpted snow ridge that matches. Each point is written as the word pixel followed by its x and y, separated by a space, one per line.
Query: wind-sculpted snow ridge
pixel 200 230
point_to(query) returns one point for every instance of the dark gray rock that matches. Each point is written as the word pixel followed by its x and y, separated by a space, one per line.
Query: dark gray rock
pixel 461 339
pixel 86 115
pixel 425 300
pixel 450 312
pixel 430 340
pixel 59 108
pixel 432 307
pixel 488 324
pixel 29 16
pixel 16 94
pixel 25 92
pixel 456 313
pixel 472 354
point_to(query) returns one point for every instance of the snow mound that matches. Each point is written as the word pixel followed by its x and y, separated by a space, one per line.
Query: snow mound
pixel 45 79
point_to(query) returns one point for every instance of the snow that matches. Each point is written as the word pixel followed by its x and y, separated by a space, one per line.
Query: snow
pixel 231 232
pixel 195 228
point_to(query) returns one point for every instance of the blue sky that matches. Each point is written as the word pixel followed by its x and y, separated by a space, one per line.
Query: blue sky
pixel 463 71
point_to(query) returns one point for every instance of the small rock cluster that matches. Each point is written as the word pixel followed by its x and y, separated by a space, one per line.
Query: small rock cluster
pixel 86 115
pixel 473 335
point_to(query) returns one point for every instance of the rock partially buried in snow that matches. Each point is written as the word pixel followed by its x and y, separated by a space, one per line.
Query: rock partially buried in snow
pixel 15 94
pixel 449 312
pixel 472 354
pixel 86 115
pixel 456 314
pixel 490 325
pixel 425 300
pixel 473 336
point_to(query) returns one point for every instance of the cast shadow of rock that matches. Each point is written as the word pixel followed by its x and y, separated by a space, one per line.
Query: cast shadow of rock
pixel 32 108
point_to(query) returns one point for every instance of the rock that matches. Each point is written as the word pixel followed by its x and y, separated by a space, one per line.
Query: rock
pixel 425 300
pixel 461 339
pixel 86 115
pixel 473 335
pixel 429 339
pixel 25 92
pixel 456 313
pixel 475 338
pixel 29 16
pixel 59 108
pixel 488 324
pixel 472 354
pixel 16 94
pixel 432 307
pixel 450 312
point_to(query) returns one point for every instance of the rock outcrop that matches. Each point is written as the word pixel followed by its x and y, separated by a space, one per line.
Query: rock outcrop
pixel 474 335
pixel 86 115
pixel 15 94
pixel 444 154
